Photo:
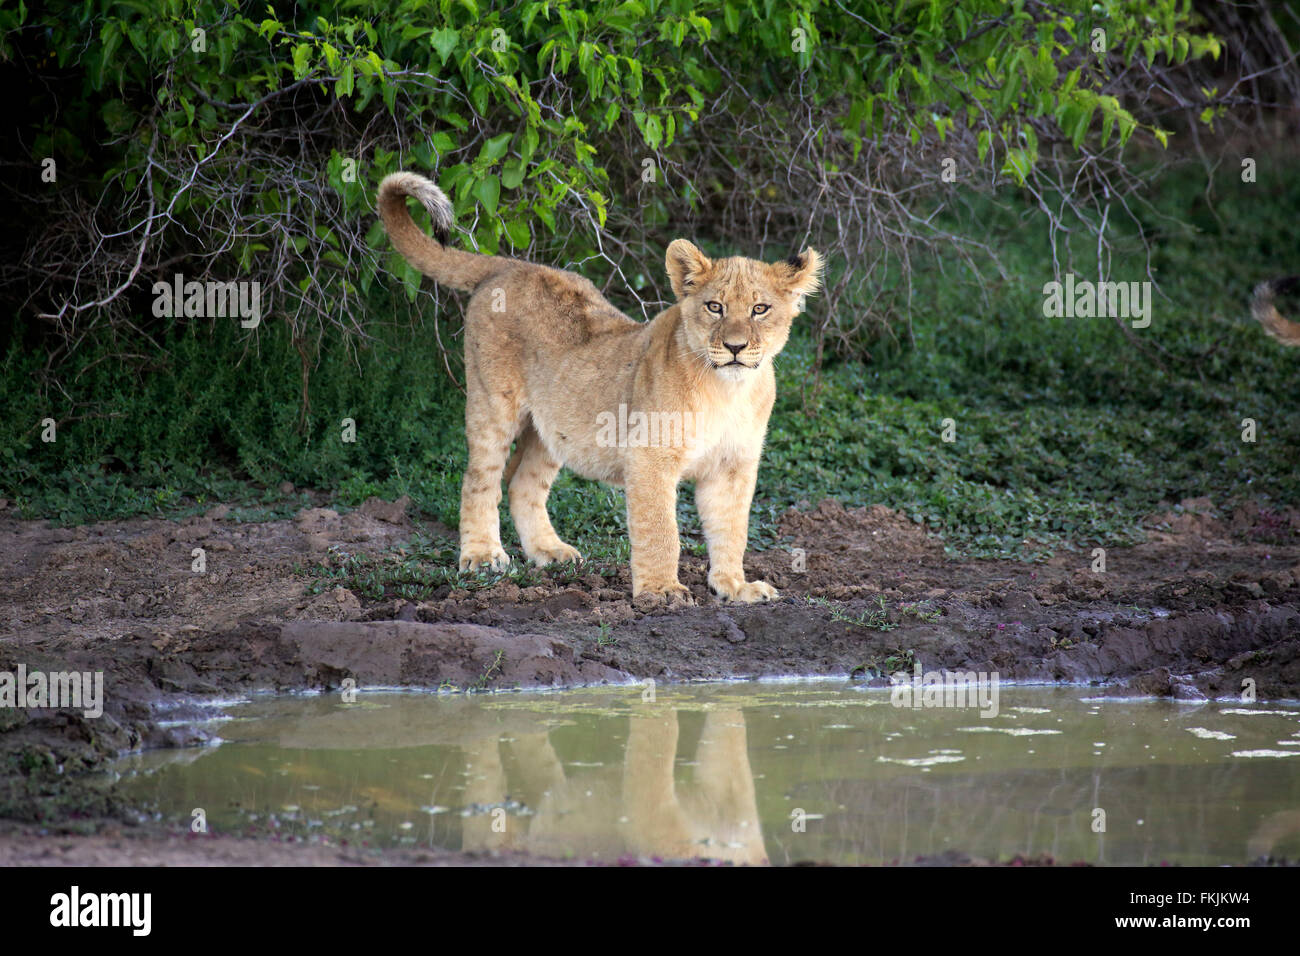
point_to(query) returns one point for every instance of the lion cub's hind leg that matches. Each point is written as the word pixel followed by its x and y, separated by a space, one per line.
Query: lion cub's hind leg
pixel 531 472
pixel 490 425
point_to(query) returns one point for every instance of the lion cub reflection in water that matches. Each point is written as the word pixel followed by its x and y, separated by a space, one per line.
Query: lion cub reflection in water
pixel 549 363
pixel 641 812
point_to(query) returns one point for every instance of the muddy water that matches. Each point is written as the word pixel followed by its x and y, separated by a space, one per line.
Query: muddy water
pixel 750 772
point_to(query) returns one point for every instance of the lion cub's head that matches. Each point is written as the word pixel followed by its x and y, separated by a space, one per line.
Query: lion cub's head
pixel 736 312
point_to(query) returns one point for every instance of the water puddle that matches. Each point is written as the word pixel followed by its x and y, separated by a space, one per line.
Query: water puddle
pixel 788 772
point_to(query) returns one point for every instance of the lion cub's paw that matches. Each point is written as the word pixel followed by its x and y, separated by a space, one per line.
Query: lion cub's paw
pixel 737 589
pixel 671 595
pixel 491 558
pixel 557 553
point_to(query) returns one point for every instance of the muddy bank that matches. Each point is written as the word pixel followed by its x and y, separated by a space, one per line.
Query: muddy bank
pixel 183 849
pixel 1209 605
pixel 116 848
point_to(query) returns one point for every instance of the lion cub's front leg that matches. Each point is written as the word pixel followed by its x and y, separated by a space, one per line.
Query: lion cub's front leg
pixel 651 481
pixel 722 497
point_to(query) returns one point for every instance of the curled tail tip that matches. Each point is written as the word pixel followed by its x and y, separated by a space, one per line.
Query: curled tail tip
pixel 396 186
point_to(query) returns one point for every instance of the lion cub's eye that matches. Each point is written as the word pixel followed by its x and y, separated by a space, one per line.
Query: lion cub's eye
pixel 714 307
pixel 760 309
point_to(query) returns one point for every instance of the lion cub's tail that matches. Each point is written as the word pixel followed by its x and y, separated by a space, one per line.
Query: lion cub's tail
pixel 1266 313
pixel 453 267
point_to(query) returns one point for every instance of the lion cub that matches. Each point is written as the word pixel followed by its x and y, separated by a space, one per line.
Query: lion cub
pixel 554 367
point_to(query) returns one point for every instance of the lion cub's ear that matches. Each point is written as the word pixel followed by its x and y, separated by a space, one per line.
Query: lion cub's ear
pixel 687 267
pixel 801 274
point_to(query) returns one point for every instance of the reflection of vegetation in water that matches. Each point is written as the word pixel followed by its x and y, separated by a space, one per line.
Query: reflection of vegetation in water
pixel 717 770
pixel 883 665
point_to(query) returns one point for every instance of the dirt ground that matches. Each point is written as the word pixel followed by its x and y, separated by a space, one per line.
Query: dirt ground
pixel 1210 601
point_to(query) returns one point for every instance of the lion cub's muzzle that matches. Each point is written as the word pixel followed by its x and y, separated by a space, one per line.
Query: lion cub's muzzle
pixel 731 355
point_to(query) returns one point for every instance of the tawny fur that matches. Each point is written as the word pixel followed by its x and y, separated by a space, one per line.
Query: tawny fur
pixel 546 355
pixel 1265 312
pixel 638 809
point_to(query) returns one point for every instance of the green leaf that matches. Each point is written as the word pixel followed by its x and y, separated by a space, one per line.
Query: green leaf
pixel 600 204
pixel 519 233
pixel 1010 90
pixel 410 278
pixel 545 214
pixel 488 191
pixel 444 41
pixel 512 174
pixel 1126 125
pixel 495 148
pixel 488 238
pixel 529 15
pixel 1018 165
pixel 344 85
pixel 529 144
pixel 478 95
pixel 111 38
pixel 452 118
pixel 301 60
pixel 1080 131
pixel 731 17
pixel 651 128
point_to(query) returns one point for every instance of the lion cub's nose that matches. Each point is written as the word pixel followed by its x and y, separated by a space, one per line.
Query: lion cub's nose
pixel 736 349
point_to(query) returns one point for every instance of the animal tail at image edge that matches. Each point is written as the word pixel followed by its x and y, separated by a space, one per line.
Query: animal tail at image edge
pixel 1265 312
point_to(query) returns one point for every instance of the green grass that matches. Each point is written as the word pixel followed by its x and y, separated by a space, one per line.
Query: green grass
pixel 417 570
pixel 1065 433
pixel 876 618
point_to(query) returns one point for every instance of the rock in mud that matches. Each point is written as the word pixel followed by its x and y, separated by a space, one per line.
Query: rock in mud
pixel 394 512
pixel 730 630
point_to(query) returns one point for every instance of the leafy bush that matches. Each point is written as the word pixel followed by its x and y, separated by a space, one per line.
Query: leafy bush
pixel 246 141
